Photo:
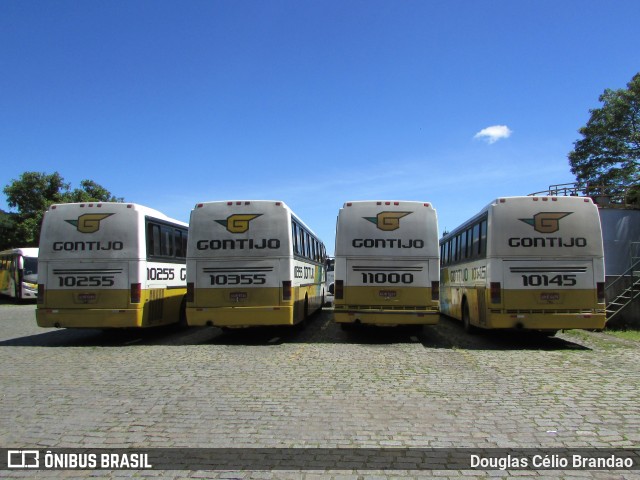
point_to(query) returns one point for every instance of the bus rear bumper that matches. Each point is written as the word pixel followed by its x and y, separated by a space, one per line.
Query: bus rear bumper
pixel 386 318
pixel 89 318
pixel 239 317
pixel 547 321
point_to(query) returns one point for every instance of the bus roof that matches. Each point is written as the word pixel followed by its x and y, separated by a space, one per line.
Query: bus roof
pixel 367 203
pixel 117 205
pixel 516 199
pixel 387 227
pixel 259 203
pixel 24 251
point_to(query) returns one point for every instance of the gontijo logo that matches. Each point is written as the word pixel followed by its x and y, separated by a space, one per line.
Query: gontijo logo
pixel 387 221
pixel 546 222
pixel 89 222
pixel 238 223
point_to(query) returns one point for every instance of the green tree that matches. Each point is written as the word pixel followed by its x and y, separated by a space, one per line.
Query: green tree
pixel 7 230
pixel 33 193
pixel 91 192
pixel 609 151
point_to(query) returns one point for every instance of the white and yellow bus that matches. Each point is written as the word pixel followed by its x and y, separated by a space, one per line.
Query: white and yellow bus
pixel 252 263
pixel 533 263
pixel 19 273
pixel 111 265
pixel 386 264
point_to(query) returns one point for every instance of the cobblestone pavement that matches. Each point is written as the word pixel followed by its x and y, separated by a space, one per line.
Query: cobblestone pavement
pixel 315 386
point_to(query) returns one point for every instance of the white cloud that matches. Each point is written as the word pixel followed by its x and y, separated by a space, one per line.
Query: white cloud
pixel 494 133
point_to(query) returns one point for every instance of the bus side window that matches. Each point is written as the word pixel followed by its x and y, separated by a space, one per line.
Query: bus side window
pixel 153 239
pixel 166 242
pixel 185 241
pixel 463 245
pixel 483 239
pixel 475 245
pixel 294 238
pixel 179 243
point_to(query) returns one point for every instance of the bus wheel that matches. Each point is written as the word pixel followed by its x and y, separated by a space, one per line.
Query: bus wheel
pixel 306 308
pixel 18 293
pixel 182 314
pixel 466 319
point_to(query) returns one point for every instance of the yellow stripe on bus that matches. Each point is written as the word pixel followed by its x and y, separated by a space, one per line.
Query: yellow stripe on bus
pixel 109 308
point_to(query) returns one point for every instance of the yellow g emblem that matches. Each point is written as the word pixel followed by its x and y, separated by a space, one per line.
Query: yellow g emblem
pixel 238 223
pixel 387 221
pixel 89 222
pixel 546 222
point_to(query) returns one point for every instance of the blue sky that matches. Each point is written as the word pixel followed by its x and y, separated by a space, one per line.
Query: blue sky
pixel 169 103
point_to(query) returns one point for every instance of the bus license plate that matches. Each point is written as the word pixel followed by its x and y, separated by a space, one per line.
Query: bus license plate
pixel 238 296
pixel 85 298
pixel 387 293
pixel 550 297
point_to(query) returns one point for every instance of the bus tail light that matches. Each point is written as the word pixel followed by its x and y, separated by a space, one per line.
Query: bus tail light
pixel 41 291
pixel 338 287
pixel 286 290
pixel 600 288
pixel 190 292
pixel 435 291
pixel 496 292
pixel 136 292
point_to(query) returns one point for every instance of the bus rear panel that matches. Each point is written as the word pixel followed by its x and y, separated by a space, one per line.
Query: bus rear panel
pixel 386 267
pixel 99 268
pixel 252 263
pixel 538 264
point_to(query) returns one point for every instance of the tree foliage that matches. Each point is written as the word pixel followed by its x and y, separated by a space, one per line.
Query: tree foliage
pixel 31 195
pixel 609 152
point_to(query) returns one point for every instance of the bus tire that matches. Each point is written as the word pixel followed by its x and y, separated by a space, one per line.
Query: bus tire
pixel 466 318
pixel 306 308
pixel 182 321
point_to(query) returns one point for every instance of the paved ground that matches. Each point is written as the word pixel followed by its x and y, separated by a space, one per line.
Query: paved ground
pixel 315 386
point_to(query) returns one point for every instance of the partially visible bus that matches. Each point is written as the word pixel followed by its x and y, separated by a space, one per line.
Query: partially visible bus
pixel 252 263
pixel 331 265
pixel 110 265
pixel 19 273
pixel 387 270
pixel 532 263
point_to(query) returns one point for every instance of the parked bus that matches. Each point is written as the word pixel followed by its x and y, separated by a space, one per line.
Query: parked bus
pixel 19 273
pixel 331 265
pixel 533 263
pixel 386 268
pixel 252 263
pixel 110 265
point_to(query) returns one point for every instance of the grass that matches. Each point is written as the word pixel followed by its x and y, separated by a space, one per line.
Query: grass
pixel 626 334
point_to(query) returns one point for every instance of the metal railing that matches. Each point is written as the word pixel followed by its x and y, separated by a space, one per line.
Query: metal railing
pixel 601 194
pixel 630 277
